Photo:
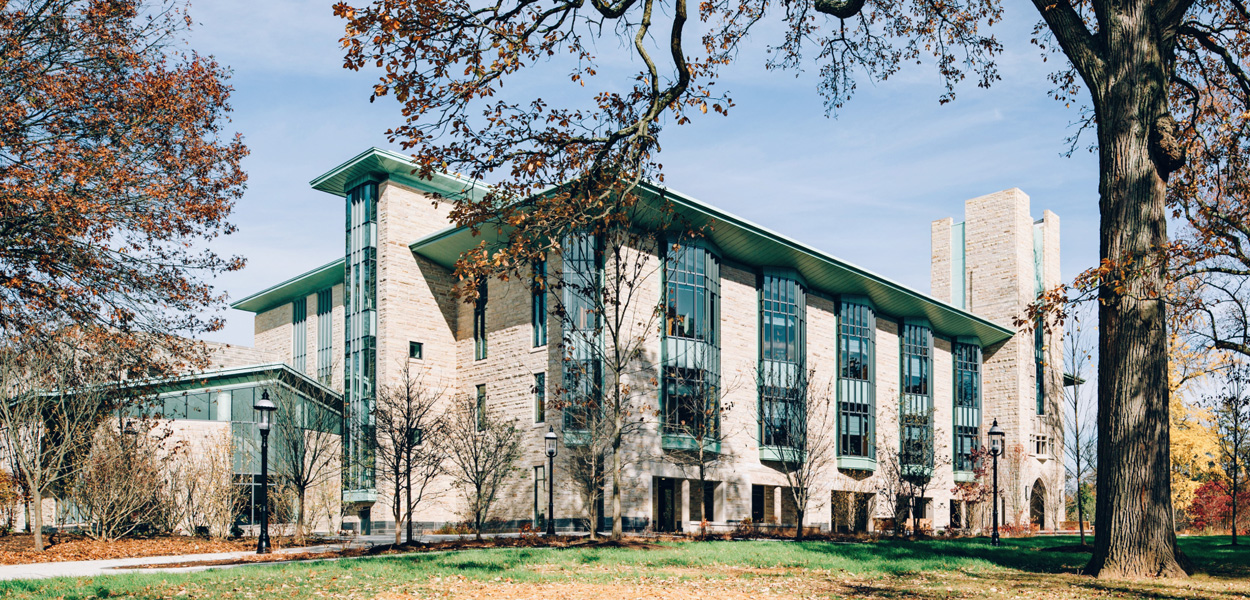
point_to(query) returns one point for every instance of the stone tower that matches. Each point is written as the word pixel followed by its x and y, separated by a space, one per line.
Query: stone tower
pixel 994 264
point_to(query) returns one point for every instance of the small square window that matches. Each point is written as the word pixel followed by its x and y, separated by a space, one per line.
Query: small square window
pixel 415 350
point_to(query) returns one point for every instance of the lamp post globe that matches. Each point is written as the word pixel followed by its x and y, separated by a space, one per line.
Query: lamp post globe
pixel 264 407
pixel 996 450
pixel 550 440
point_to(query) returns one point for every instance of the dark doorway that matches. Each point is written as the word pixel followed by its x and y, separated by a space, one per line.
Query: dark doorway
pixel 666 500
pixel 366 522
pixel 1037 505
pixel 758 503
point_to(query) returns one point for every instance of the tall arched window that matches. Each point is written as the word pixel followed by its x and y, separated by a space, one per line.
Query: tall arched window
pixel 783 312
pixel 691 359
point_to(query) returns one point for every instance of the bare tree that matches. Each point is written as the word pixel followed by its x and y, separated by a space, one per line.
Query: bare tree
pixel 307 447
pixel 906 472
pixel 205 489
pixel 694 401
pixel 52 403
pixel 410 438
pixel 1082 451
pixel 481 450
pixel 608 318
pixel 1231 412
pixel 587 444
pixel 121 487
pixel 798 421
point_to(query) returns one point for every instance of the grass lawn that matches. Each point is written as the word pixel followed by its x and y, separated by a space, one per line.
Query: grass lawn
pixel 1022 568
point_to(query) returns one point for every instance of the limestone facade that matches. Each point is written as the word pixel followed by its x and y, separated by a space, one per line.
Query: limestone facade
pixel 416 304
pixel 1001 257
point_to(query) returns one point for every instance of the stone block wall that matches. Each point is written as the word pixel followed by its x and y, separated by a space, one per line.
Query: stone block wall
pixel 1000 265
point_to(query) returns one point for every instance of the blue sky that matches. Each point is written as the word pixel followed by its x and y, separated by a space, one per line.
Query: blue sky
pixel 863 186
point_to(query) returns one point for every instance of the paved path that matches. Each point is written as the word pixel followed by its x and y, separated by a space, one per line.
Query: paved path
pixel 88 568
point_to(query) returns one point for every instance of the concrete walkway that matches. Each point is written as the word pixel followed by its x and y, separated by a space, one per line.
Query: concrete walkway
pixel 90 568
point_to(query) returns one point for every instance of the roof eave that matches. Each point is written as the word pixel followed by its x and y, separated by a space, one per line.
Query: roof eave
pixel 441 246
pixel 305 283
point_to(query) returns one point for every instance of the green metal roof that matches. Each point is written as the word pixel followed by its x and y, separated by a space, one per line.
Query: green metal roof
pixel 397 167
pixel 745 242
pixel 372 163
pixel 282 372
pixel 296 287
pixel 739 240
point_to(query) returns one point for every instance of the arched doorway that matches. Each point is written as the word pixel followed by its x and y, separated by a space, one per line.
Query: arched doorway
pixel 1037 505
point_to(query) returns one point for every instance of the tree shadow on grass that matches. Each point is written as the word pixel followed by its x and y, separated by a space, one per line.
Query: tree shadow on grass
pixel 899 556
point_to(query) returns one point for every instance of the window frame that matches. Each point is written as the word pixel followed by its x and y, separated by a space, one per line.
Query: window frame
pixel 479 321
pixel 857 322
pixel 916 342
pixel 538 304
pixel 540 398
pixel 966 400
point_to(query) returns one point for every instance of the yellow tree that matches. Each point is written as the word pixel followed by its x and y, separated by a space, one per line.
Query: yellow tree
pixel 1193 440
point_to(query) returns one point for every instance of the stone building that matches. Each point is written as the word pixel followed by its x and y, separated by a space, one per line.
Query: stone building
pixel 741 306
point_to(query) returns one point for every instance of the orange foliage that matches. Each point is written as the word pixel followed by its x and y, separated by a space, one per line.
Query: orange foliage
pixel 114 167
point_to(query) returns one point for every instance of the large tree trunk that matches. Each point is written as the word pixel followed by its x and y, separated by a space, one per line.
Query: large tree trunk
pixel 1134 534
pixel 798 527
pixel 36 503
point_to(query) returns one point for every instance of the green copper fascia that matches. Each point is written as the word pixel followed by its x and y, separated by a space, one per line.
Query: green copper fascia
pixel 857 463
pixel 378 164
pixel 677 441
pixel 748 243
pixel 322 277
pixel 276 372
pixel 782 455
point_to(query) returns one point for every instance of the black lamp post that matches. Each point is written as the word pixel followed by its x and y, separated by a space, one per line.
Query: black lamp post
pixel 264 406
pixel 996 450
pixel 550 438
pixel 129 433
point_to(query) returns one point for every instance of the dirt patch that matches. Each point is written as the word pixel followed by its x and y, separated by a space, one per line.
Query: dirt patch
pixel 18 549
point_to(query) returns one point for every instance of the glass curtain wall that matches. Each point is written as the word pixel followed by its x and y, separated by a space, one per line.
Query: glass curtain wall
pixel 916 407
pixel 299 335
pixel 691 358
pixel 582 367
pixel 783 349
pixel 360 305
pixel 325 336
pixel 857 404
pixel 967 404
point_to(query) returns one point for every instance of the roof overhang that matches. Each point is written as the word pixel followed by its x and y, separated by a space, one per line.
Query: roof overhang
pixel 750 244
pixel 379 164
pixel 275 372
pixel 322 277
